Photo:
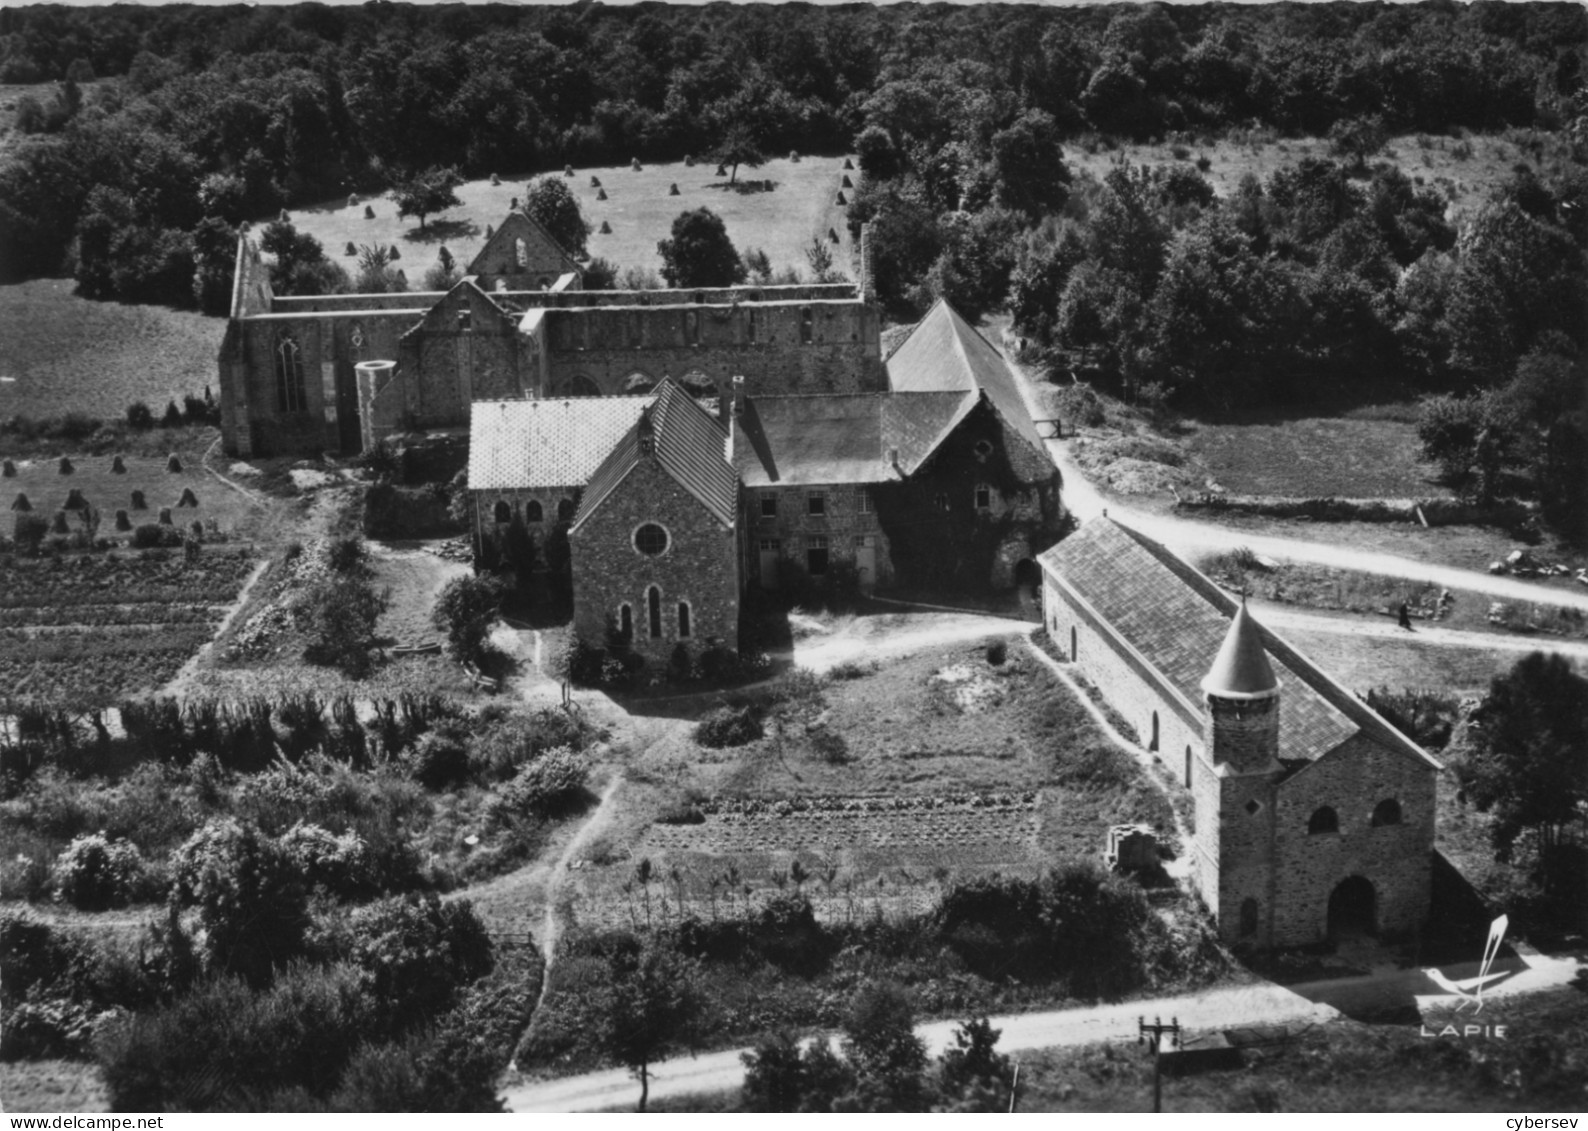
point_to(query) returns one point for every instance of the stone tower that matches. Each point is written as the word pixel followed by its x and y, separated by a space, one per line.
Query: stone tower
pixel 1235 803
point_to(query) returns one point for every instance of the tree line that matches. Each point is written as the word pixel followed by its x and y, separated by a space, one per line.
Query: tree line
pixel 211 116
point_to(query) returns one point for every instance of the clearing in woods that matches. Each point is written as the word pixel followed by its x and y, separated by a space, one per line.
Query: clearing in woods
pixel 801 203
pixel 885 783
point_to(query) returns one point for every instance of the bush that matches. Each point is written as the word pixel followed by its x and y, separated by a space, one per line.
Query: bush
pixel 414 953
pixel 546 786
pixel 339 615
pixel 339 864
pixel 94 873
pixel 465 611
pixel 997 652
pixel 172 417
pixel 438 760
pixel 140 416
pixel 250 897
pixel 29 530
pixel 155 535
pixel 728 726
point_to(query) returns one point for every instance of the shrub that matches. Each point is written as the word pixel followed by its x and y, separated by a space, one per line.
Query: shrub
pixel 728 726
pixel 339 615
pixel 153 535
pixel 140 416
pixel 94 873
pixel 510 743
pixel 29 530
pixel 340 864
pixel 465 611
pixel 997 652
pixel 438 760
pixel 250 898
pixel 414 953
pixel 548 785
pixel 172 417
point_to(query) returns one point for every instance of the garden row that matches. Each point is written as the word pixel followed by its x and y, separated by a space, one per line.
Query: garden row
pixel 146 577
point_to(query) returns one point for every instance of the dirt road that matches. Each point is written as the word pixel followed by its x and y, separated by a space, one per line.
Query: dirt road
pixel 1262 1004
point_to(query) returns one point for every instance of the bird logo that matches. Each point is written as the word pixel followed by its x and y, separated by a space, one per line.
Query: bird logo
pixel 1469 991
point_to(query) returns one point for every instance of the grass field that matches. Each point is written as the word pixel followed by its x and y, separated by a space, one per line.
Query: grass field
pixel 639 209
pixel 1463 170
pixel 61 353
pixel 1369 452
pixel 883 786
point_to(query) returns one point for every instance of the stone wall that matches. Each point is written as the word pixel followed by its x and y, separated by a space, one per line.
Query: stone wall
pixel 794 528
pixel 699 567
pixel 1352 779
pixel 558 505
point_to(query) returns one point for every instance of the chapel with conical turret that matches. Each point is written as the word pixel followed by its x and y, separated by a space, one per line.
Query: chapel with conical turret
pixel 1314 818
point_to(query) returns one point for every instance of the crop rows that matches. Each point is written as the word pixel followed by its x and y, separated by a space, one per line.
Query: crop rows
pixel 94 676
pixel 112 580
pixel 110 616
pixel 914 827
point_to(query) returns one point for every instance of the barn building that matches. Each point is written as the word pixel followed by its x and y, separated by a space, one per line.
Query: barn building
pixel 1314 818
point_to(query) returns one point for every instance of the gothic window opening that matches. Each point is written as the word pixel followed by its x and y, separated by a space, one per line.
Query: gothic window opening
pixel 290 394
pixel 683 620
pixel 533 512
pixel 807 325
pixel 1153 745
pixel 653 602
pixel 504 511
pixel 749 326
pixel 565 510
pixel 520 253
pixel 355 343
pixel 1323 820
pixel 626 622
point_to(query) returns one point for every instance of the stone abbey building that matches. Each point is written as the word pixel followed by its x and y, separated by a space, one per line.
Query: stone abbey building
pixel 1314 817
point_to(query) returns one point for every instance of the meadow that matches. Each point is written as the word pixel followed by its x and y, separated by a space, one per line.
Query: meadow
pixel 61 353
pixel 781 220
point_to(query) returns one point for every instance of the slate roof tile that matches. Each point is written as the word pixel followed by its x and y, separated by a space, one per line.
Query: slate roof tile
pixel 545 443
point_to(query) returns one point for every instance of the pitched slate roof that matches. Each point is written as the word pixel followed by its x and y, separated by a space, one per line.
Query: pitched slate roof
pixel 843 438
pixel 1172 619
pixel 689 445
pixel 945 352
pixel 545 443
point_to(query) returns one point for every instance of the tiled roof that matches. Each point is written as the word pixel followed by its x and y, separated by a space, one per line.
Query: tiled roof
pixel 844 438
pixel 1176 620
pixel 945 352
pixel 545 443
pixel 690 445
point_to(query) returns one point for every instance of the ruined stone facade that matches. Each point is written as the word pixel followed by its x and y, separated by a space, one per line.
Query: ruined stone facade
pixel 1314 819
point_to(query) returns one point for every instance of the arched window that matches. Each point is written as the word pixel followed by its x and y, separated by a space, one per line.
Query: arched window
pixel 504 511
pixel 653 602
pixel 807 325
pixel 626 622
pixel 1387 812
pixel 534 512
pixel 1323 820
pixel 638 382
pixel 1248 917
pixel 749 326
pixel 1073 653
pixel 564 510
pixel 683 620
pixel 1188 766
pixel 650 540
pixel 290 395
pixel 521 253
pixel 1153 745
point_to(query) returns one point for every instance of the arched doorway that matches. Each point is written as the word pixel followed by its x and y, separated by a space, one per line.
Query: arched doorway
pixel 1353 909
pixel 1027 575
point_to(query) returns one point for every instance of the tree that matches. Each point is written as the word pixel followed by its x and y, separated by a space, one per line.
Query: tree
pixel 820 258
pixel 738 146
pixel 415 954
pixel 880 1042
pixel 1529 764
pixel 339 614
pixel 879 157
pixel 972 1065
pixel 301 267
pixel 428 193
pixel 551 204
pixel 647 1007
pixel 700 254
pixel 780 1076
pixel 1032 176
pixel 465 611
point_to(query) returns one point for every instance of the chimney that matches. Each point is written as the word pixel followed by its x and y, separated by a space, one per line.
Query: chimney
pixel 738 395
pixel 647 433
pixel 893 458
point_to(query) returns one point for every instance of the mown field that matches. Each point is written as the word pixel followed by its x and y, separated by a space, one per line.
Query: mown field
pixel 881 784
pixel 88 630
pixel 639 209
pixel 1369 452
pixel 106 490
pixel 61 353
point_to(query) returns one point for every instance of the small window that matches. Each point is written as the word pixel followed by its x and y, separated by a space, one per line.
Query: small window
pixel 1154 744
pixel 564 510
pixel 1324 820
pixel 807 325
pixel 770 545
pixel 626 622
pixel 983 497
pixel 1253 807
pixel 864 501
pixel 1387 812
pixel 816 503
pixel 1188 767
pixel 653 602
pixel 768 506
pixel 942 501
pixel 683 620
pixel 816 556
pixel 652 540
pixel 749 327
pixel 534 512
pixel 1248 918
pixel 520 253
pixel 1073 642
pixel 504 511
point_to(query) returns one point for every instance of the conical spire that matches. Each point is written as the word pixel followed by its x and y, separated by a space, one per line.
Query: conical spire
pixel 1241 669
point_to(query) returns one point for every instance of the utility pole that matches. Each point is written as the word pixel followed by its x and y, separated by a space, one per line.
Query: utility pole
pixel 1158 1030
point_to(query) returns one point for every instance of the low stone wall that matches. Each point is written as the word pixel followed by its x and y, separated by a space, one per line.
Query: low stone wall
pixel 1436 512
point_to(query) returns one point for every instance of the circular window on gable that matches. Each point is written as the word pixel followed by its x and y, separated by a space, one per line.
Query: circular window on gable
pixel 650 539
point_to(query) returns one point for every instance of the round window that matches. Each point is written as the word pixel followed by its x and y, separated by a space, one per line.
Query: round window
pixel 650 539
